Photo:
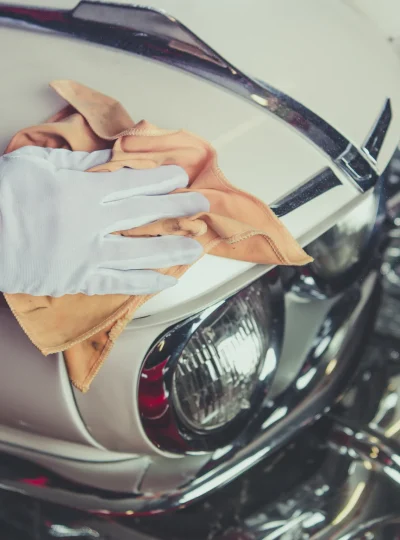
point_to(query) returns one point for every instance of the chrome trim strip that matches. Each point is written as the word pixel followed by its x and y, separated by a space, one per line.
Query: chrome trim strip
pixel 374 142
pixel 326 372
pixel 154 34
pixel 308 191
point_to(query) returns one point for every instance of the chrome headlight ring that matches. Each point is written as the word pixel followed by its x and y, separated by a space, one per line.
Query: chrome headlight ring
pixel 199 388
pixel 345 262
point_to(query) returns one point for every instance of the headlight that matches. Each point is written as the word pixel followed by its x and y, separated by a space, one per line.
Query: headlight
pixel 218 370
pixel 205 377
pixel 340 248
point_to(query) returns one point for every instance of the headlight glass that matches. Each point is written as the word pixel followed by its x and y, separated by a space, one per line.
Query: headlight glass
pixel 340 248
pixel 218 370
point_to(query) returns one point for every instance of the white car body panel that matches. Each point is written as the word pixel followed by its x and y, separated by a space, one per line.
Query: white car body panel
pixel 384 14
pixel 325 55
pixel 306 49
pixel 274 52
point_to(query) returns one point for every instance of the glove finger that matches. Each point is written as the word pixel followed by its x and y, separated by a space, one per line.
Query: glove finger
pixel 125 183
pixel 132 282
pixel 141 253
pixel 62 158
pixel 137 211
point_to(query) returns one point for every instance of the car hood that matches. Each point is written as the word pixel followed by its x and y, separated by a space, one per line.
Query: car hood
pixel 326 57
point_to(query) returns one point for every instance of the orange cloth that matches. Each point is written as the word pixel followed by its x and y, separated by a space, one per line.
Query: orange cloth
pixel 239 226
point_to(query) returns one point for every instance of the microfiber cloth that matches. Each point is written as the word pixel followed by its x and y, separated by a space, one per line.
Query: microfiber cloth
pixel 238 226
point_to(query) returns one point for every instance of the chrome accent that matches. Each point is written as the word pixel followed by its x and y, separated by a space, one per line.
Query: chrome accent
pixel 368 446
pixel 391 268
pixel 323 182
pixel 154 34
pixel 325 373
pixel 355 490
pixel 374 142
pixel 356 167
pixel 348 497
pixel 354 494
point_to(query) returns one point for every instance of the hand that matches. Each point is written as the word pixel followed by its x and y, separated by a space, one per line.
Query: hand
pixel 56 222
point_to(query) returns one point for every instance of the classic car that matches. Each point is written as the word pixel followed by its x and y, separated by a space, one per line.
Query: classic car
pixel 247 402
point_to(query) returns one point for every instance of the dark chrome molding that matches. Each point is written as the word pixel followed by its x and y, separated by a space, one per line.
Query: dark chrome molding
pixel 154 34
pixel 374 142
pixel 323 182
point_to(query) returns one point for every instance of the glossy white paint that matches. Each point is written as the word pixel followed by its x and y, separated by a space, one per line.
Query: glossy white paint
pixel 36 396
pixel 385 14
pixel 323 54
pixel 121 475
pixel 124 474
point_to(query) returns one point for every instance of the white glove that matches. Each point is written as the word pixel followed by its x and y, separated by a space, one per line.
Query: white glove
pixel 56 220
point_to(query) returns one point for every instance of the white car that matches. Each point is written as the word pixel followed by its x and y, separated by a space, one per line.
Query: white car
pixel 301 100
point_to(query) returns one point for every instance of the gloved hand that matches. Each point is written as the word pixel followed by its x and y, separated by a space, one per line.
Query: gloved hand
pixel 56 220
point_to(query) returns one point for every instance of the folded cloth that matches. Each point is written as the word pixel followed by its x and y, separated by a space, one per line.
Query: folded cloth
pixel 238 226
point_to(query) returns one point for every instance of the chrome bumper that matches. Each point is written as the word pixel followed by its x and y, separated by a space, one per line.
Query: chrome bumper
pixel 356 491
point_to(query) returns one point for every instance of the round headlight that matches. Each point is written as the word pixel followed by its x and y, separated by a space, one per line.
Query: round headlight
pixel 340 248
pixel 207 376
pixel 218 370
